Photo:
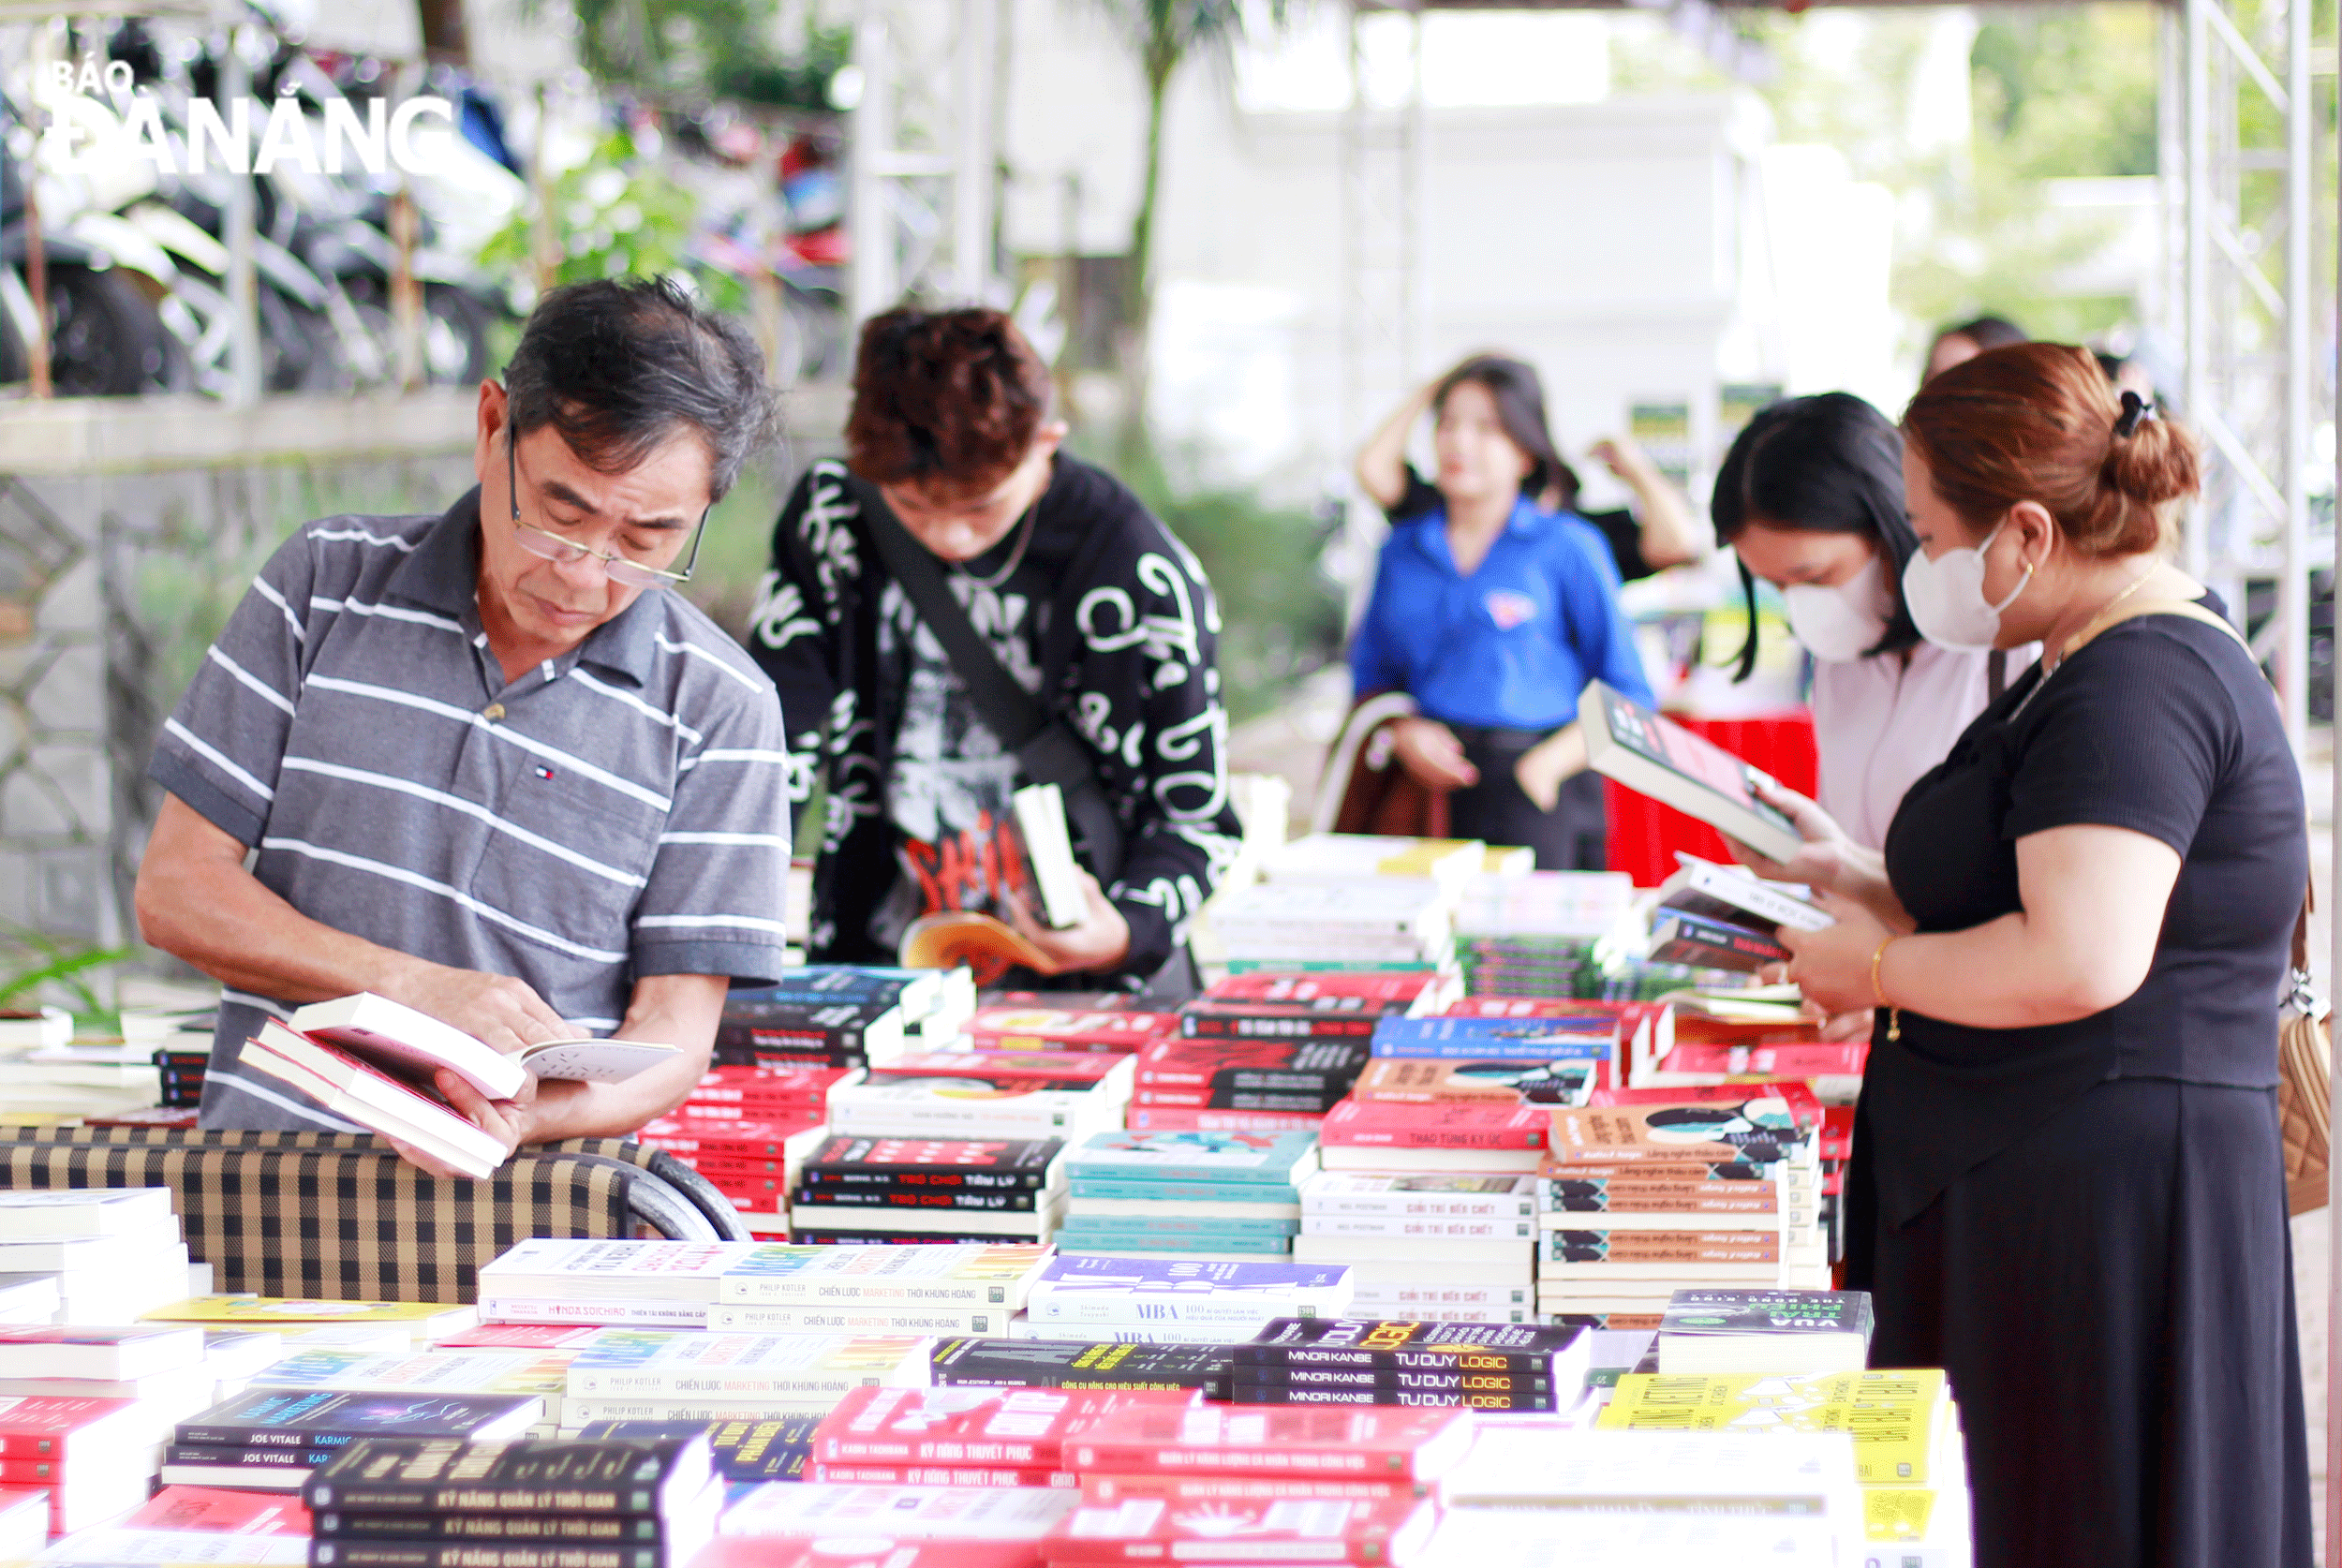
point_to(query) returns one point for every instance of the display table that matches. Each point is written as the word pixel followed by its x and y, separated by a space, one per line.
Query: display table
pixel 1645 836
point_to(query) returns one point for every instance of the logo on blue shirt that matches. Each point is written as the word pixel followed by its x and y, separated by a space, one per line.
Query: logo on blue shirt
pixel 1508 609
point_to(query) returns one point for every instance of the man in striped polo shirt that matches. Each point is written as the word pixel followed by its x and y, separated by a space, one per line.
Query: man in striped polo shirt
pixel 480 763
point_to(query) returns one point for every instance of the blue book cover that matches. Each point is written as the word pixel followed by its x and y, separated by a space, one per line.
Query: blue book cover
pixel 1111 1278
pixel 1497 1039
pixel 1257 1246
pixel 1138 1231
pixel 1169 1192
pixel 1274 1158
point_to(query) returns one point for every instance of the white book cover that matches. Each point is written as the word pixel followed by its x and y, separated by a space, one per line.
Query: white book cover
pixel 1425 1197
pixel 1139 1333
pixel 968 1104
pixel 1096 1289
pixel 133 1251
pixel 447 1371
pixel 634 1314
pixel 1390 1226
pixel 817 1509
pixel 961 1322
pixel 552 1269
pixel 82 1211
pixel 576 1412
pixel 650 1363
pixel 965 1273
pixel 1813 1471
pixel 1034 1226
pixel 1386 1300
pixel 1049 851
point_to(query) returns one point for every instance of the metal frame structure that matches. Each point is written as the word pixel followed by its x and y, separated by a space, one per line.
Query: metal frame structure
pixel 924 155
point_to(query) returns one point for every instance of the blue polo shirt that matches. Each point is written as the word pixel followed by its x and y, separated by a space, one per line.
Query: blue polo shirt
pixel 1511 646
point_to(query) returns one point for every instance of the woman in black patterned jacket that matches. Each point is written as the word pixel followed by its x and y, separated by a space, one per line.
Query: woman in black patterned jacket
pixel 1084 598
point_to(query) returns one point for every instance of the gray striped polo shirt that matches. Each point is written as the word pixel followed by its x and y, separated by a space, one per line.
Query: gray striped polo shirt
pixel 618 813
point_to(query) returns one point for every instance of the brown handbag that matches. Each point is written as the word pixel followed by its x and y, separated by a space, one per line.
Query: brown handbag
pixel 2304 1068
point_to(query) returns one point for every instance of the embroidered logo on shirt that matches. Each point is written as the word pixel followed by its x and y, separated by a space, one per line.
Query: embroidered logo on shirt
pixel 1508 609
pixel 545 773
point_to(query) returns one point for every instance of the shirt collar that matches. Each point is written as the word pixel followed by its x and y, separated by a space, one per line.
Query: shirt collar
pixel 443 573
pixel 1527 519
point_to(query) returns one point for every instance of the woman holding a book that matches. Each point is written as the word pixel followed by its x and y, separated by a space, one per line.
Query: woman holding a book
pixel 2068 1188
pixel 1492 610
pixel 1810 499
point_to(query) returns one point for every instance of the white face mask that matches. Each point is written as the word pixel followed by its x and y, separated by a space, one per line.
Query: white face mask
pixel 1945 597
pixel 1841 624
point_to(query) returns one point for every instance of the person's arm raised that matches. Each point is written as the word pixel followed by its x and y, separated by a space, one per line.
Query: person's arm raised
pixel 1666 533
pixel 2094 900
pixel 196 901
pixel 1382 466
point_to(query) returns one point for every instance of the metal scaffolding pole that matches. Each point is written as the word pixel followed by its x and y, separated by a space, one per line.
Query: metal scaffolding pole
pixel 922 137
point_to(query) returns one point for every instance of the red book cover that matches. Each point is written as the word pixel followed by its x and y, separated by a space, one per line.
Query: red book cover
pixel 859 1550
pixel 1382 1124
pixel 716 1167
pixel 1837 1132
pixel 1698 1029
pixel 1016 1427
pixel 519 1336
pixel 1033 1070
pixel 1798 1098
pixel 743 1140
pixel 1262 987
pixel 774 1084
pixel 1248 1530
pixel 1226 1066
pixel 1181 1119
pixel 1046 1029
pixel 1108 1486
pixel 224 1511
pixel 855 1474
pixel 39 1426
pixel 1355 1440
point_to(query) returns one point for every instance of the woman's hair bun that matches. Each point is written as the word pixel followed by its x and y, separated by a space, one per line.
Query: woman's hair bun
pixel 2154 465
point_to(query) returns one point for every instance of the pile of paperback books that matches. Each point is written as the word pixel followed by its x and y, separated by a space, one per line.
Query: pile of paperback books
pixel 1497 1367
pixel 1176 1300
pixel 1211 1194
pixel 929 1190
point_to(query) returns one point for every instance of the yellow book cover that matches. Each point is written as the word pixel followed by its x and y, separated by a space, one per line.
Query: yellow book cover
pixel 1894 1415
pixel 1892 1513
pixel 268 1309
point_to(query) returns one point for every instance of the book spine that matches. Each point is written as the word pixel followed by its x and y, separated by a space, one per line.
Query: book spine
pixel 1434 1137
pixel 390 1494
pixel 686 1383
pixel 1106 1310
pixel 342 1553
pixel 579 1413
pixel 1257 1393
pixel 1107 1486
pixel 1599 1049
pixel 847 1445
pixel 1414 1206
pixel 631 1314
pixel 1137 1190
pixel 1041 1115
pixel 1240 1459
pixel 1275 1025
pixel 830 1320
pixel 922 1178
pixel 1273 1358
pixel 607 1528
pixel 1418 1382
pixel 790 1291
pixel 940 1475
pixel 878 1202
pixel 1179 1119
pixel 1510 1229
pixel 181 1454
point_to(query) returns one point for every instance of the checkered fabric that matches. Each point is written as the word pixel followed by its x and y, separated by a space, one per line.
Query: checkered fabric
pixel 337 1216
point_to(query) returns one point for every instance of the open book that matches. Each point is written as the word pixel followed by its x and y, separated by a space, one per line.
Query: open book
pixel 1628 741
pixel 397 1037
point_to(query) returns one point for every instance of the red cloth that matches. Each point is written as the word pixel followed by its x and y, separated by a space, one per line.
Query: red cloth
pixel 1645 836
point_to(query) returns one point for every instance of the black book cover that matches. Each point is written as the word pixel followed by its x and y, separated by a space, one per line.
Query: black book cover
pixel 533 1529
pixel 249 1457
pixel 1073 1364
pixel 1722 1311
pixel 1440 1381
pixel 1272 1394
pixel 880 1199
pixel 298 1418
pixel 605 1475
pixel 1677 938
pixel 798 1030
pixel 927 1164
pixel 1406 1346
pixel 345 1553
pixel 775 1449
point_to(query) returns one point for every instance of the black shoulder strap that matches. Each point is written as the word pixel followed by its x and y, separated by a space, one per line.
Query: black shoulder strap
pixel 1047 752
pixel 1996 675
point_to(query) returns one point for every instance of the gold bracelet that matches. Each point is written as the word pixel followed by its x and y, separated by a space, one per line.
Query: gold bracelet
pixel 1894 1013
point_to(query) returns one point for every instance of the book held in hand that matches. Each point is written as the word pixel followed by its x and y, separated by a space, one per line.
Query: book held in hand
pixel 1655 757
pixel 414 1043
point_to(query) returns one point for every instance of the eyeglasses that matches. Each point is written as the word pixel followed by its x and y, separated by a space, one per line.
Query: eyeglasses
pixel 562 552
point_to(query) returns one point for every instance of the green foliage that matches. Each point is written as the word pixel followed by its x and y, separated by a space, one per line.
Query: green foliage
pixel 617 214
pixel 707 49
pixel 48 962
pixel 2067 90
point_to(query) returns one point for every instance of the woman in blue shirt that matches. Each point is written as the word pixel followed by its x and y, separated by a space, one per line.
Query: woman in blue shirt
pixel 1493 613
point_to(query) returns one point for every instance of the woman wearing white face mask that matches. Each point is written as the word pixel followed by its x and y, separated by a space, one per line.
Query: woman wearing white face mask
pixel 2067 1186
pixel 1810 498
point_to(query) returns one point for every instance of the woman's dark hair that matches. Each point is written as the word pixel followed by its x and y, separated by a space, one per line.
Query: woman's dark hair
pixel 1830 464
pixel 619 366
pixel 1519 398
pixel 949 397
pixel 1986 332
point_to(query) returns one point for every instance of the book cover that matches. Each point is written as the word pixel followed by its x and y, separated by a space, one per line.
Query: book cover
pixel 1031 1095
pixel 539 1475
pixel 1438 1380
pixel 1526 1040
pixel 883 1319
pixel 1190 1118
pixel 115 1354
pixel 432 1317
pixel 1085 1288
pixel 534 1529
pixel 1449 1081
pixel 406 1043
pixel 1678 938
pixel 1066 1029
pixel 1358 1123
pixel 1806 1113
pixel 1108 1486
pixel 1655 757
pixel 1244 1530
pixel 1709 1311
pixel 1894 1416
pixel 1429 1228
pixel 434 1371
pixel 1017 1427
pixel 760 1449
pixel 43 1427
pixel 934 1164
pixel 626 1364
pixel 1318 1018
pixel 1799 1059
pixel 554 1268
pixel 298 1418
pixel 1244 1394
pixel 1422 990
pixel 1064 1070
pixel 993 1363
pixel 338 1552
pixel 1024 1513
pixel 1596 1189
pixel 34 1213
pixel 218 1511
pixel 1376 1441
pixel 1413 1345
pixel 975 1274
pixel 1659 1251
pixel 1758 1130
pixel 1422 1196
pixel 939 1475
pixel 1210 1071
pixel 1726 893
pixel 1273 1160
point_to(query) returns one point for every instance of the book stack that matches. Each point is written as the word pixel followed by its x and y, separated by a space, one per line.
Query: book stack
pixel 775 1448
pixel 1723 917
pixel 197 1524
pixel 1644 1198
pixel 1909 1454
pixel 114 1252
pixel 755 1164
pixel 1211 1455
pixel 1176 1300
pixel 605 1502
pixel 1266 1005
pixel 79 1079
pixel 539 1374
pixel 844 1016
pixel 1364 1361
pixel 920 1289
pixel 180 1065
pixel 1402 923
pixel 1046 1024
pixel 755 1106
pixel 1636 1500
pixel 167 1370
pixel 94 1457
pixel 1534 935
pixel 272 1438
pixel 963 1437
pixel 1079 1364
pixel 986 1094
pixel 650 1284
pixel 651 1374
pixel 984 1527
pixel 1232 1194
pixel 1427 1207
pixel 1776 1333
pixel 1254 1530
pixel 1186 1085
pixel 1492 1061
pixel 859 1190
